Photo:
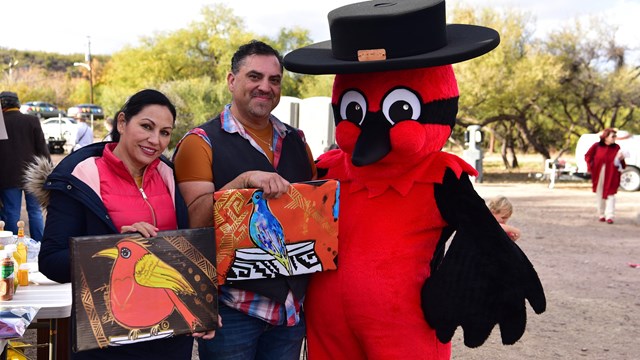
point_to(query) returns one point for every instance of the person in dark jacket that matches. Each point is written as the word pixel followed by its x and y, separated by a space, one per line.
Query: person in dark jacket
pixel 26 140
pixel 117 187
pixel 247 147
pixel 605 161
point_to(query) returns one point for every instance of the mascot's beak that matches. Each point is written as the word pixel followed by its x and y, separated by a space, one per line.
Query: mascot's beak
pixel 374 142
pixel 111 253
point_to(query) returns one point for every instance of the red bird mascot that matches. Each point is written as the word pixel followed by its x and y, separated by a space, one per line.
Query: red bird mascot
pixel 395 102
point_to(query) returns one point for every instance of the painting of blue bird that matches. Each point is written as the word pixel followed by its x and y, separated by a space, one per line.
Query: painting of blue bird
pixel 266 231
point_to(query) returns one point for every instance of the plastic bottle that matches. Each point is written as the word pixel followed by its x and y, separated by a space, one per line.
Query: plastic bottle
pixel 21 253
pixel 20 229
pixel 10 250
pixel 6 277
pixel 4 235
pixel 21 247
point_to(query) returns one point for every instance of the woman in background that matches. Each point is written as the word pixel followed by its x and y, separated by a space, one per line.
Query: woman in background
pixel 605 161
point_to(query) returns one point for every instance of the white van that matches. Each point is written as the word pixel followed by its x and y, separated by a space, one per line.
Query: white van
pixel 629 144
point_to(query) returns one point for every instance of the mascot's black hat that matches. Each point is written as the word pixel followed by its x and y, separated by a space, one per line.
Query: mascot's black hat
pixel 384 35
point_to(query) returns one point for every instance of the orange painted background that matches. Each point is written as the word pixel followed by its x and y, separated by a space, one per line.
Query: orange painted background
pixel 306 213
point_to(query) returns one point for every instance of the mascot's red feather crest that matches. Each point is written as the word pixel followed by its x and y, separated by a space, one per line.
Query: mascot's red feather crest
pixel 395 100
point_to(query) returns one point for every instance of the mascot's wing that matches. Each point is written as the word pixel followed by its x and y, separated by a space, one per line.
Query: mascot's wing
pixel 484 277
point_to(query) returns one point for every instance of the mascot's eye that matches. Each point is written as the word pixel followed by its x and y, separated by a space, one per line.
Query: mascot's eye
pixel 353 106
pixel 125 253
pixel 401 104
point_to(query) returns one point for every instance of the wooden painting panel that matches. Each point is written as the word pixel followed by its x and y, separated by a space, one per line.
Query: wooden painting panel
pixel 127 288
pixel 292 235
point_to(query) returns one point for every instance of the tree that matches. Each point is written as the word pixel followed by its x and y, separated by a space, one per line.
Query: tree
pixel 38 84
pixel 202 50
pixel 193 98
pixel 49 77
pixel 499 90
pixel 191 65
pixel 540 95
pixel 599 89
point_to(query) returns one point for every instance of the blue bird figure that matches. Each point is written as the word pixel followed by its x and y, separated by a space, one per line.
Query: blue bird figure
pixel 266 231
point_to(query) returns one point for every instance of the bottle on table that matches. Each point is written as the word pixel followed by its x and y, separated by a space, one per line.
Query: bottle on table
pixel 20 224
pixel 23 274
pixel 10 250
pixel 6 276
pixel 21 247
pixel 2 230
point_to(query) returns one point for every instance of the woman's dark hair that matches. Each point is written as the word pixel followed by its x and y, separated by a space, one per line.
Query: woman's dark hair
pixel 606 132
pixel 136 103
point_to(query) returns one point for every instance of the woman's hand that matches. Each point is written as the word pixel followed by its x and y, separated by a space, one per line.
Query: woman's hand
pixel 144 228
pixel 209 334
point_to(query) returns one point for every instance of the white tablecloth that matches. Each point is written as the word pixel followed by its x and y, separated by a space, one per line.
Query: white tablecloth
pixel 53 299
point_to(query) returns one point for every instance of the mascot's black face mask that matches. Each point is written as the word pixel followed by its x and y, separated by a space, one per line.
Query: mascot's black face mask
pixel 401 114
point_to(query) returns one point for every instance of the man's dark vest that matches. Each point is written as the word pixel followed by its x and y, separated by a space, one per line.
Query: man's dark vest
pixel 233 155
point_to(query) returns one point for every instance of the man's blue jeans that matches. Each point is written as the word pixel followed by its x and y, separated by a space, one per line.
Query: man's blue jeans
pixel 243 337
pixel 12 207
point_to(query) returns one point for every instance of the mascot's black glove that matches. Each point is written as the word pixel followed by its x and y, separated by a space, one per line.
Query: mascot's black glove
pixel 484 277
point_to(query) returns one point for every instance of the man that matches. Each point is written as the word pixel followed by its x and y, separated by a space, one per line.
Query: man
pixel 247 147
pixel 25 141
pixel 84 135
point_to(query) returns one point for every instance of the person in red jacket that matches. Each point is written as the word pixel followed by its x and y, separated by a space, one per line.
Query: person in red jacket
pixel 605 161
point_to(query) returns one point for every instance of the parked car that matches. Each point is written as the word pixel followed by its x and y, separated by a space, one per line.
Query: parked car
pixel 60 128
pixel 86 110
pixel 629 145
pixel 41 109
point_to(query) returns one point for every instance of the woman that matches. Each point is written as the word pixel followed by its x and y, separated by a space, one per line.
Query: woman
pixel 97 190
pixel 604 162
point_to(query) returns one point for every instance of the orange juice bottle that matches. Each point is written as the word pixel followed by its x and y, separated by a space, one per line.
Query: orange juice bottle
pixel 21 247
pixel 23 275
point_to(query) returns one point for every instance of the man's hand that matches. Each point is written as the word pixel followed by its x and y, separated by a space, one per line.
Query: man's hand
pixel 272 184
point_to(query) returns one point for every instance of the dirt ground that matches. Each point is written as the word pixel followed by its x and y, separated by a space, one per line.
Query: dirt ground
pixel 593 295
pixel 593 302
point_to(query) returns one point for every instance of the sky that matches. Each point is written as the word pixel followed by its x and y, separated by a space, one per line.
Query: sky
pixel 66 26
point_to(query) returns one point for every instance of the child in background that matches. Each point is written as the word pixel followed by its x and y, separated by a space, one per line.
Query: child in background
pixel 502 209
